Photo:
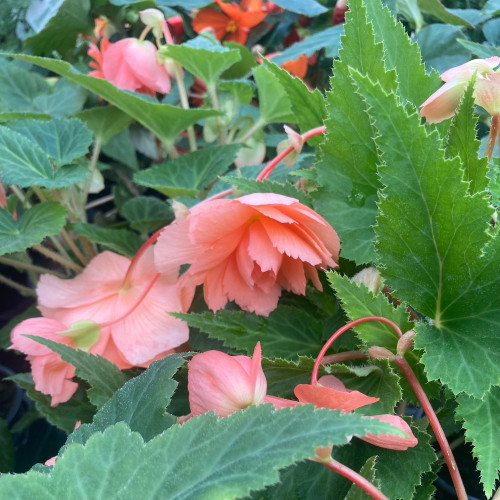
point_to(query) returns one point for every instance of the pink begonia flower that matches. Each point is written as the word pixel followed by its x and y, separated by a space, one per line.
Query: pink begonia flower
pixel 487 93
pixel 248 249
pixel 51 374
pixel 333 394
pixel 443 103
pixel 224 384
pixel 99 293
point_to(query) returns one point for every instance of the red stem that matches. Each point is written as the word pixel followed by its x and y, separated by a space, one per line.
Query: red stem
pixel 435 425
pixel 356 478
pixel 340 331
pixel 339 357
pixel 494 131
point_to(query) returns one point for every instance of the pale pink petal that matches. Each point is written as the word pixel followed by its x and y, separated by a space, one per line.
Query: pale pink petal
pixel 257 199
pixel 333 383
pixel 265 280
pixel 312 274
pixel 487 93
pixel 213 290
pixel 443 103
pixel 243 260
pixel 279 403
pixel 116 68
pixel 274 212
pixel 467 70
pixel 391 441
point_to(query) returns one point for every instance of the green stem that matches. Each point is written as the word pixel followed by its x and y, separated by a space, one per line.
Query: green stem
pixel 20 288
pixel 92 167
pixel 27 266
pixel 185 103
pixel 212 92
pixel 57 258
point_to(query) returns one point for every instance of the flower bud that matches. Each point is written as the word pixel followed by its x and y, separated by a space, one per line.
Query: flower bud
pixel 180 210
pixel 378 352
pixel 83 333
pixel 405 343
pixel 295 138
pixel 153 18
pixel 291 157
pixel 370 277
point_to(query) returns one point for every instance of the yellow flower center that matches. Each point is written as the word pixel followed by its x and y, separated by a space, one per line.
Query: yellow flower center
pixel 232 26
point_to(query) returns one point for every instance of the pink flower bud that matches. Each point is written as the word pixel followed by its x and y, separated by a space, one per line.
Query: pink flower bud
pixel 391 441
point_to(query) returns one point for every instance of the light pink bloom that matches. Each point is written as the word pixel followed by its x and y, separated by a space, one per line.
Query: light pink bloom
pixel 443 103
pixel 99 293
pixel 248 249
pixel 132 64
pixel 224 384
pixel 51 374
pixel 391 441
pixel 487 93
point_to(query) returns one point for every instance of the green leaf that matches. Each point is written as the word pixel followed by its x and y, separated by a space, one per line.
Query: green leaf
pixel 140 403
pixel 286 332
pixel 7 451
pixel 274 103
pixel 440 48
pixel 163 120
pixel 368 472
pixel 241 68
pixel 105 121
pixel 64 101
pixel 24 163
pixel 117 463
pixel 189 173
pixel 462 142
pixel 309 8
pixel 60 32
pixel 437 9
pixel 249 186
pixel 480 50
pixel 146 213
pixel 63 140
pixel 482 429
pixel 44 219
pixel 431 241
pixel 328 39
pixel 307 106
pixel 121 149
pixel 103 376
pixel 119 240
pixel 205 57
pixel 348 156
pixel 64 415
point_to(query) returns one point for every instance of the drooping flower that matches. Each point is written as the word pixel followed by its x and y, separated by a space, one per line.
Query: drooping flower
pixel 332 393
pixel 233 23
pixel 135 304
pixel 224 384
pixel 443 103
pixel 248 249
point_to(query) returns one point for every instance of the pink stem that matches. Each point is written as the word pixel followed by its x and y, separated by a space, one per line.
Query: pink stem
pixel 166 32
pixel 340 331
pixel 339 357
pixel 494 131
pixel 356 478
pixel 435 425
pixel 268 169
pixel 138 255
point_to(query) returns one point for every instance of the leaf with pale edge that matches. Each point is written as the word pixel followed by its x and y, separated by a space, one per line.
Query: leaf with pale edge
pixel 25 164
pixel 140 403
pixel 204 57
pixel 62 139
pixel 119 240
pixel 432 240
pixel 103 376
pixel 44 219
pixel 286 332
pixel 189 173
pixel 461 141
pixel 482 423
pixel 64 415
pixel 163 120
pixel 348 157
pixel 117 463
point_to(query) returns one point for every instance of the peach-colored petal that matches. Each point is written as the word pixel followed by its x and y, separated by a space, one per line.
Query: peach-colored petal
pixel 297 67
pixel 443 103
pixel 391 441
pixel 257 199
pixel 211 18
pixel 487 93
pixel 279 403
pixel 261 250
pixel 292 276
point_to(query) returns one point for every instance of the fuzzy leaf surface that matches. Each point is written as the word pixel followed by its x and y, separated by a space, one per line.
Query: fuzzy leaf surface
pixel 105 121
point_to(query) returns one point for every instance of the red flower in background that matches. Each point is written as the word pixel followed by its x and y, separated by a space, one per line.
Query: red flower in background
pixel 234 22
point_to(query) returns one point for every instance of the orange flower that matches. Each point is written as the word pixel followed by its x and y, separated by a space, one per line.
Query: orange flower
pixel 234 22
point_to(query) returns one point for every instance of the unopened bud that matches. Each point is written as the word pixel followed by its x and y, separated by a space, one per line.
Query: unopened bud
pixel 378 352
pixel 370 277
pixel 405 343
pixel 83 333
pixel 291 157
pixel 180 210
pixel 295 138
pixel 153 18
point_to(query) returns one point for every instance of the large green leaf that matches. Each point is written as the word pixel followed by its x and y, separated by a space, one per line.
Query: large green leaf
pixel 24 163
pixel 308 8
pixel 189 173
pixel 431 238
pixel 60 32
pixel 103 376
pixel 274 102
pixel 437 9
pixel 44 219
pixel 462 142
pixel 105 121
pixel 162 119
pixel 287 332
pixel 63 140
pixel 205 57
pixel 483 430
pixel 146 213
pixel 140 403
pixel 348 156
pixel 118 464
pixel 64 415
